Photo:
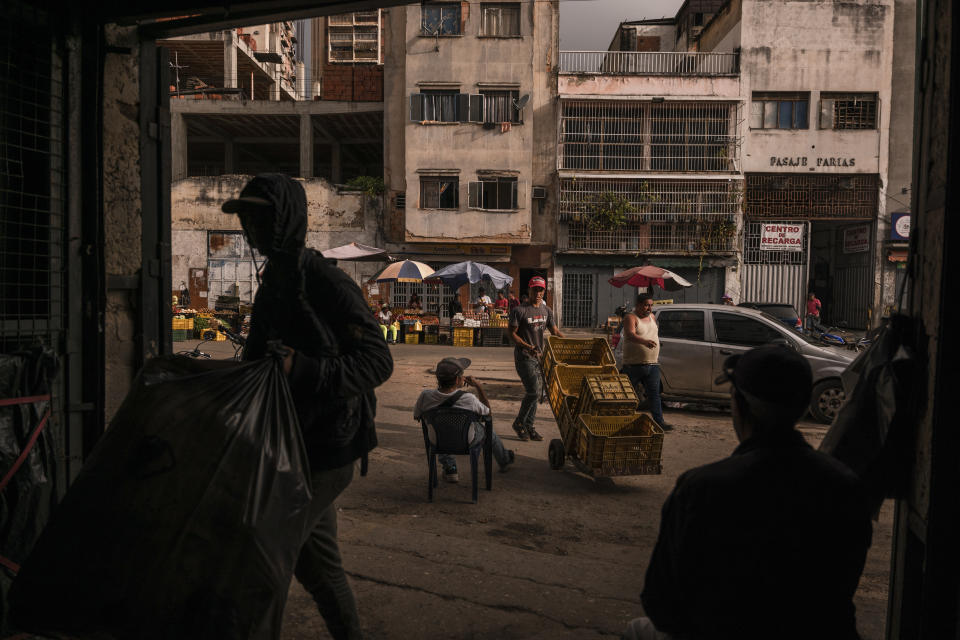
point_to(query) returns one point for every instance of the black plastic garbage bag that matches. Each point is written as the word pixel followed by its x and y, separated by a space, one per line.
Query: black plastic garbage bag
pixel 873 429
pixel 186 520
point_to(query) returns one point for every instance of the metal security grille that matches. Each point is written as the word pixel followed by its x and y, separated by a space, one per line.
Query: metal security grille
pixel 231 270
pixel 433 297
pixel 31 188
pixel 646 136
pixel 653 63
pixel 578 299
pixel 848 110
pixel 802 196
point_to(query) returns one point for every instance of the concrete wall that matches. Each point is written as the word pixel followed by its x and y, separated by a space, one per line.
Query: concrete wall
pixel 394 118
pixel 722 32
pixel 334 218
pixel 121 208
pixel 543 109
pixel 629 87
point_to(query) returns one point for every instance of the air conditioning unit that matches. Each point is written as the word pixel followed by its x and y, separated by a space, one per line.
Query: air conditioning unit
pixel 539 193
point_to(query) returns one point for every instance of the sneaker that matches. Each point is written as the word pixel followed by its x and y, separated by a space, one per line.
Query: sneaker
pixel 511 457
pixel 451 475
pixel 534 435
pixel 521 431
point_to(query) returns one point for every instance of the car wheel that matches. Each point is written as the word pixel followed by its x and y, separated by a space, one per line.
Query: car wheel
pixel 828 397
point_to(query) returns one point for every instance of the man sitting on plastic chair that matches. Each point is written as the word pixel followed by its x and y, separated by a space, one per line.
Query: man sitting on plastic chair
pixel 449 394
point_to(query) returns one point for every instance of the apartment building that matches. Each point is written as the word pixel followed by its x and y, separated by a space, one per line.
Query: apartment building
pixel 470 137
pixel 346 57
pixel 827 148
pixel 649 171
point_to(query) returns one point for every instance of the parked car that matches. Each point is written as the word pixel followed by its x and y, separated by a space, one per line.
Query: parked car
pixel 695 339
pixel 783 312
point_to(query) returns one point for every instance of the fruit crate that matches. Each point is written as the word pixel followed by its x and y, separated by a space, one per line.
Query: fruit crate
pixel 567 420
pixel 577 351
pixel 462 336
pixel 619 445
pixel 412 337
pixel 491 337
pixel 565 379
pixel 430 338
pixel 183 324
pixel 179 335
pixel 611 395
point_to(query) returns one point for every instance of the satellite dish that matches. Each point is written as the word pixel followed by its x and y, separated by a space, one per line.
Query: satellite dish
pixel 522 102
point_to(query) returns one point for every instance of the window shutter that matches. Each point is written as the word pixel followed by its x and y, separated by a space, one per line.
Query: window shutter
pixel 476 108
pixel 475 191
pixel 416 107
pixel 756 115
pixel 826 113
pixel 515 194
pixel 463 107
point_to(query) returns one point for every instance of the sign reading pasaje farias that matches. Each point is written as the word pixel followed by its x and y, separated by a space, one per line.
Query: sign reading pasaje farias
pixel 778 236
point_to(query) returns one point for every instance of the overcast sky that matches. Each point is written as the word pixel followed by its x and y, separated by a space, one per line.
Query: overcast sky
pixel 589 25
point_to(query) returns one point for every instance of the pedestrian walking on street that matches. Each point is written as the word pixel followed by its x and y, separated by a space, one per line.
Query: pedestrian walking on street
pixel 641 353
pixel 336 357
pixel 769 542
pixel 527 324
pixel 814 306
pixel 450 384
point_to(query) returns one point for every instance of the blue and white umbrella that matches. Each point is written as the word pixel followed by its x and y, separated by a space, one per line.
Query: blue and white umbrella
pixel 406 271
pixel 461 273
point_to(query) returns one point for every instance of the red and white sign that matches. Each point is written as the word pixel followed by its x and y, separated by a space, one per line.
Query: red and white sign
pixel 856 239
pixel 781 237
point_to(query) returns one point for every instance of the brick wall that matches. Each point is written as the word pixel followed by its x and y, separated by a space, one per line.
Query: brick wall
pixel 362 83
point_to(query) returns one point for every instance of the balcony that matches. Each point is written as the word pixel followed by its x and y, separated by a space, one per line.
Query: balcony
pixel 652 63
pixel 679 235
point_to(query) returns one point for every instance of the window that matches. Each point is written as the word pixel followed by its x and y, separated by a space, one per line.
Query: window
pixel 732 329
pixel 685 325
pixel 439 105
pixel 440 19
pixel 354 37
pixel 500 19
pixel 494 193
pixel 500 106
pixel 779 111
pixel 439 192
pixel 848 111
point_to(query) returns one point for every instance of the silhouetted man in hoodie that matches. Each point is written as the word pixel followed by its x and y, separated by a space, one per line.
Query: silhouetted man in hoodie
pixel 336 358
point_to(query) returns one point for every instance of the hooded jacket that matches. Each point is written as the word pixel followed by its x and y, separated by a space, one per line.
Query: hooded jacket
pixel 309 304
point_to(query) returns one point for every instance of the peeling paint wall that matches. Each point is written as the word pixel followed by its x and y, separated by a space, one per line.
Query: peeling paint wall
pixel 632 86
pixel 334 218
pixel 121 206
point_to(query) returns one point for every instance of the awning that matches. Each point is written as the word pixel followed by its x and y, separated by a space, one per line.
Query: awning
pixel 897 255
pixel 357 251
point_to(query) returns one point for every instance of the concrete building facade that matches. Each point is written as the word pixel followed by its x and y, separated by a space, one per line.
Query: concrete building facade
pixel 817 82
pixel 469 137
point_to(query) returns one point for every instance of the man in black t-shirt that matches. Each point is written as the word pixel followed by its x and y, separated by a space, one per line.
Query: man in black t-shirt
pixel 527 323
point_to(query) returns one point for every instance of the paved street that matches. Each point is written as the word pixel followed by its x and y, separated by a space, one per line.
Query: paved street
pixel 546 554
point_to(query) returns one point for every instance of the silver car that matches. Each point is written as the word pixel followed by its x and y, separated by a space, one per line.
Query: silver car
pixel 695 339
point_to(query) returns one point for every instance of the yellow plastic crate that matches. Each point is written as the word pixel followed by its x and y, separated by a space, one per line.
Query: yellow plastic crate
pixel 611 395
pixel 577 351
pixel 463 336
pixel 412 338
pixel 430 338
pixel 619 445
pixel 182 324
pixel 565 379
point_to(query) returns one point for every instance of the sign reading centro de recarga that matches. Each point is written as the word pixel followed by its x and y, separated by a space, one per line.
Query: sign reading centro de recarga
pixel 781 237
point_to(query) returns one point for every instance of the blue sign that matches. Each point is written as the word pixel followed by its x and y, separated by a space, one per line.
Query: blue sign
pixel 900 226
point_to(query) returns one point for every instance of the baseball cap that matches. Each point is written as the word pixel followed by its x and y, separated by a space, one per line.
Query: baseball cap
pixel 452 367
pixel 726 296
pixel 252 199
pixel 537 281
pixel 775 380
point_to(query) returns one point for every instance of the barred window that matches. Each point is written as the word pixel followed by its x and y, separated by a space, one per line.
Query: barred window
pixel 440 19
pixel 499 194
pixel 354 37
pixel 439 192
pixel 500 19
pixel 779 110
pixel 501 106
pixel 802 196
pixel 848 110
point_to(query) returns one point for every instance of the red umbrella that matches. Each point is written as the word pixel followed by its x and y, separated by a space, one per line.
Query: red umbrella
pixel 649 275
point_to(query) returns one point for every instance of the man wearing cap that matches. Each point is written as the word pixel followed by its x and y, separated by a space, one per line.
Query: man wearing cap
pixel 527 323
pixel 769 542
pixel 336 357
pixel 727 300
pixel 450 381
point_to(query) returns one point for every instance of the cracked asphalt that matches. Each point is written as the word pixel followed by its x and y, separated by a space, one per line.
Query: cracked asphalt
pixel 546 554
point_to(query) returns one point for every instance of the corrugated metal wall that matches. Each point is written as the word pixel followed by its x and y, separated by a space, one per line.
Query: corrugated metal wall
pixel 775 283
pixel 853 292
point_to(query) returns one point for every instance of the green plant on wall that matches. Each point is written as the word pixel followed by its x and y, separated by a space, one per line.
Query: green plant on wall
pixel 714 234
pixel 370 185
pixel 609 211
